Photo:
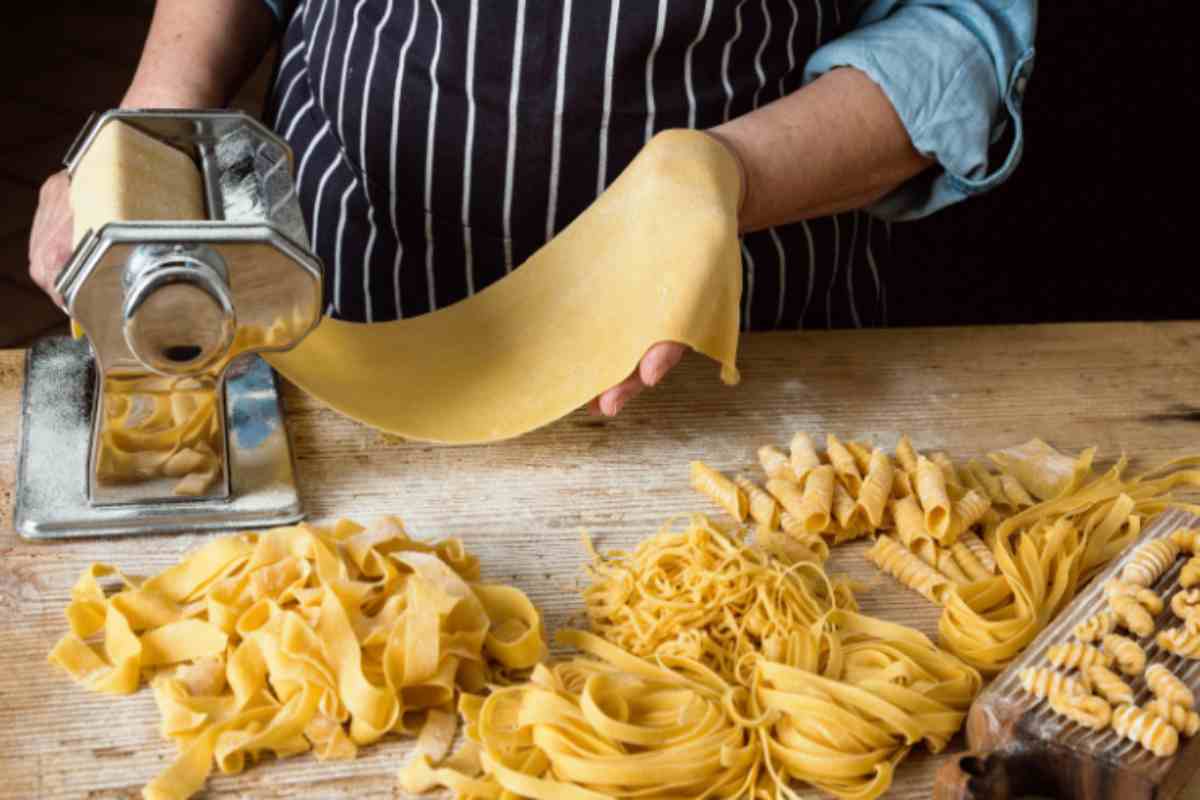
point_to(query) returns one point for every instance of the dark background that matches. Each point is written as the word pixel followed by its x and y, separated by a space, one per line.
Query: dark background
pixel 1096 224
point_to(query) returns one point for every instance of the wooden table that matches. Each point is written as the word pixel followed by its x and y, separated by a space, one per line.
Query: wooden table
pixel 521 504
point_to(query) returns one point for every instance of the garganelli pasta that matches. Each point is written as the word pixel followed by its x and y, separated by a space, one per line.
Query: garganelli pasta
pixel 931 491
pixel 774 463
pixel 876 489
pixel 719 489
pixel 296 639
pixel 844 465
pixel 894 559
pixel 803 456
pixel 762 506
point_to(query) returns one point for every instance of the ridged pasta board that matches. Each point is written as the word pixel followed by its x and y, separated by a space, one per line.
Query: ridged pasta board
pixel 1019 746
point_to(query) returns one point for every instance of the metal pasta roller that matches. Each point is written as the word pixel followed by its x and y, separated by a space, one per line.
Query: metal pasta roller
pixel 164 419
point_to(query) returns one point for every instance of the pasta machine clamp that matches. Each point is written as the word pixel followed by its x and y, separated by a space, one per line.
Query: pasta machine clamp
pixel 165 419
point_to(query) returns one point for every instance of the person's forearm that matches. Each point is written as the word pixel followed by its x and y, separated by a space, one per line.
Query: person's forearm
pixel 834 145
pixel 198 54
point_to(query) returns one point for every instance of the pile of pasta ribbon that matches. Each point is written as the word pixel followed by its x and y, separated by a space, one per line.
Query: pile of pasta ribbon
pixel 1047 552
pixel 712 670
pixel 296 639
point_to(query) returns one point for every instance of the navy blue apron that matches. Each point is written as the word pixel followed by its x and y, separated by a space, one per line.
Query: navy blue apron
pixel 441 142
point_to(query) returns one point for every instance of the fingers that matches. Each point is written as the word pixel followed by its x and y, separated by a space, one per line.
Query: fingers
pixel 50 239
pixel 654 366
pixel 659 360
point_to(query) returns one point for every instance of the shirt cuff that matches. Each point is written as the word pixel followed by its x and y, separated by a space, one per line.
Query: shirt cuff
pixel 956 88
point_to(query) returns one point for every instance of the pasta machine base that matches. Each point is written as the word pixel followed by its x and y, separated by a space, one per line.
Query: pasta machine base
pixel 1020 747
pixel 57 406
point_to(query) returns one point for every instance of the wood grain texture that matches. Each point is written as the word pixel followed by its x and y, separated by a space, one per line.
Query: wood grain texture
pixel 520 504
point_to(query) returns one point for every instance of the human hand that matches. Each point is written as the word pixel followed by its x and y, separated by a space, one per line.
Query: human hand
pixel 50 242
pixel 654 366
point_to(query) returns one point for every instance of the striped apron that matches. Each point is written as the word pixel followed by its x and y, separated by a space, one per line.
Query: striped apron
pixel 439 143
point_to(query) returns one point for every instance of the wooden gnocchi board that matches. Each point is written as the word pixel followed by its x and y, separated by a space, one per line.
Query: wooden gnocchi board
pixel 1020 746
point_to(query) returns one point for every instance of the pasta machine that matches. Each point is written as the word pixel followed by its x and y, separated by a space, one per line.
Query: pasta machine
pixel 163 419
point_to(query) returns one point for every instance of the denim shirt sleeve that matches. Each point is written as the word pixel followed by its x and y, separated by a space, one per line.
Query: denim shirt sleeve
pixel 956 72
pixel 278 7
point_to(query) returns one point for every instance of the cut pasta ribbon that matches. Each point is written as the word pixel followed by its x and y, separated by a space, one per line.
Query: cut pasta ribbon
pixel 712 671
pixel 299 638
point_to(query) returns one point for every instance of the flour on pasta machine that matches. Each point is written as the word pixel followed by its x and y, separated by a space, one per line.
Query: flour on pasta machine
pixel 164 419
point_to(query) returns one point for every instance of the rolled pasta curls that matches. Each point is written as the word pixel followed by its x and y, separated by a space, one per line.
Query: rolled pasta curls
pixel 1186 605
pixel 1042 682
pixel 1109 685
pixel 1076 655
pixel 970 563
pixel 1187 540
pixel 775 464
pixel 1189 576
pixel 876 489
pixel 948 565
pixel 1150 561
pixel 719 489
pixel 891 557
pixel 1096 627
pixel 935 501
pixel 802 456
pixel 981 551
pixel 906 454
pixel 1149 730
pixel 1087 710
pixel 844 465
pixel 1180 641
pixel 791 549
pixel 1147 597
pixel 1182 718
pixel 1133 615
pixel 762 506
pixel 1166 686
pixel 1130 657
pixel 862 455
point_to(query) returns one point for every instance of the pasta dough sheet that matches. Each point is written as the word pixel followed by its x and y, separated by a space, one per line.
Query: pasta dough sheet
pixel 656 257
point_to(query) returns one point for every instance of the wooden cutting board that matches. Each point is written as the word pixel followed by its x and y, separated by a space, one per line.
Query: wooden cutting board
pixel 520 505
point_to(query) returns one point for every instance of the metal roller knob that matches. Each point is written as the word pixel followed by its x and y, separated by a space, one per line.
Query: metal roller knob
pixel 178 316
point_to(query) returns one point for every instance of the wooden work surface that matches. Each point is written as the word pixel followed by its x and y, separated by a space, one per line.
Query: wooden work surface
pixel 520 504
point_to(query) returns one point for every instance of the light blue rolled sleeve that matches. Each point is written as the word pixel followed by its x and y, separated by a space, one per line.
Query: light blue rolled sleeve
pixel 278 7
pixel 956 73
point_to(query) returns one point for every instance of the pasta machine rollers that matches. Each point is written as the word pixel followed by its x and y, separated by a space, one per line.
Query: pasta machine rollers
pixel 175 306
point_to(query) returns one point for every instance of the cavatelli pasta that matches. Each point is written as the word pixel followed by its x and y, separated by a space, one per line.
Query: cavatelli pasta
pixel 1180 641
pixel 1167 687
pixel 802 456
pixel 1189 576
pixel 1042 682
pixel 774 463
pixel 843 464
pixel 935 502
pixel 873 497
pixel 981 551
pixel 1109 685
pixel 1149 730
pixel 1186 605
pixel 1147 597
pixel 1150 561
pixel 1187 540
pixel 1130 657
pixel 719 489
pixel 1096 627
pixel 1087 710
pixel 1133 615
pixel 762 506
pixel 1182 719
pixel 1076 655
pixel 891 557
